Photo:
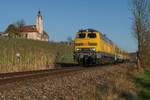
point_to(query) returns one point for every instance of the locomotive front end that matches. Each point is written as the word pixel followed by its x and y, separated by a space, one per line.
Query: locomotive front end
pixel 85 47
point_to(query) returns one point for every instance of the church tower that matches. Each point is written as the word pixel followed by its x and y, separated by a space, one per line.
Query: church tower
pixel 39 23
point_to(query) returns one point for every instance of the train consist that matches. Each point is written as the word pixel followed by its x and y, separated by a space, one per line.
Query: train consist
pixel 92 47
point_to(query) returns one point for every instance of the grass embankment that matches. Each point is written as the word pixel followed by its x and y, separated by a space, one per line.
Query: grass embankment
pixel 143 83
pixel 125 83
pixel 117 84
pixel 34 55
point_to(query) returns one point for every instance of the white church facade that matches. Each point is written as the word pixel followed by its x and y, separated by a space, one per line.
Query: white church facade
pixel 35 32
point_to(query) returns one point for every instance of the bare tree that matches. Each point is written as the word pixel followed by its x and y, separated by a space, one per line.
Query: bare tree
pixel 20 23
pixel 69 39
pixel 14 29
pixel 141 22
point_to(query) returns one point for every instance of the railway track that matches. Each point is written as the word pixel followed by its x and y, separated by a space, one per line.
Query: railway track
pixel 21 76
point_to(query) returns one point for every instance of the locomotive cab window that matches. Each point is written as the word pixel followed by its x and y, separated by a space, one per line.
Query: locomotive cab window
pixel 91 35
pixel 81 35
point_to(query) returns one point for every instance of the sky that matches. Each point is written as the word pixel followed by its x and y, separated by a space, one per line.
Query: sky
pixel 63 18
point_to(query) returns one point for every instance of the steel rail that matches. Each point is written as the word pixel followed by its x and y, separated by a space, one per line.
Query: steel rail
pixel 21 76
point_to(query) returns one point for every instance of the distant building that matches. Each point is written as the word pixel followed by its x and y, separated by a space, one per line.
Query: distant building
pixel 3 34
pixel 35 32
pixel 133 56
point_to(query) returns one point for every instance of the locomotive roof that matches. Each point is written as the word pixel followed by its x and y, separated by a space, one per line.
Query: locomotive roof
pixel 88 30
pixel 106 38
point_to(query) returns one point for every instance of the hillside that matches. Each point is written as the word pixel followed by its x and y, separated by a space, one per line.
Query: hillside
pixel 23 54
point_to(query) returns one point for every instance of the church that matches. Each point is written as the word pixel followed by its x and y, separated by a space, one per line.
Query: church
pixel 35 32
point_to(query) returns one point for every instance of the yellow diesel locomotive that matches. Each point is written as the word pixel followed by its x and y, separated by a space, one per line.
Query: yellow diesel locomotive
pixel 92 47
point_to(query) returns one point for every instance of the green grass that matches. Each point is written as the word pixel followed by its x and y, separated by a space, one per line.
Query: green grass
pixel 143 83
pixel 34 55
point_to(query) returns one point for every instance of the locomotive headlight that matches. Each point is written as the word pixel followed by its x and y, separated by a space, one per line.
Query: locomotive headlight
pixel 93 49
pixel 78 49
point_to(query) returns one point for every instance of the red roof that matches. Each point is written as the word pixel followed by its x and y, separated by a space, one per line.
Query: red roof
pixel 30 28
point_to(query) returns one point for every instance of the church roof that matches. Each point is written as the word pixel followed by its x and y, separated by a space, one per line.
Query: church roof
pixel 29 28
